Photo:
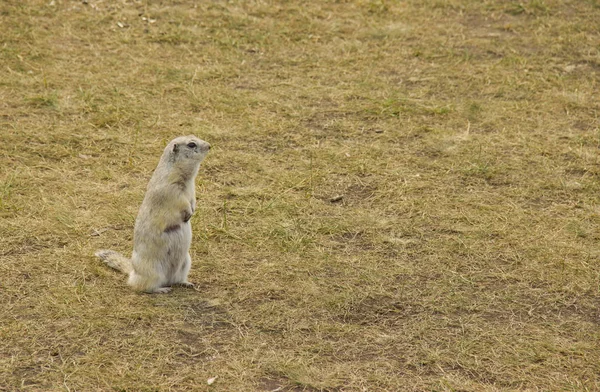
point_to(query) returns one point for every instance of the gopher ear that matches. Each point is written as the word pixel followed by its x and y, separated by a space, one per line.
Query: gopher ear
pixel 175 147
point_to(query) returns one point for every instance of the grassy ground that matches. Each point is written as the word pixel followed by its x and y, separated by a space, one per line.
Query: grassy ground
pixel 400 195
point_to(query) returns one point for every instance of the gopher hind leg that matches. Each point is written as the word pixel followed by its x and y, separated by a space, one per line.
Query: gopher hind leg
pixel 147 284
pixel 180 276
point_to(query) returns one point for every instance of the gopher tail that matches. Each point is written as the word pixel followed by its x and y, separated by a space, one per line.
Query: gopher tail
pixel 115 260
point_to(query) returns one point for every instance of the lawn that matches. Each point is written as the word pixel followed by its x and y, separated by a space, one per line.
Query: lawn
pixel 400 195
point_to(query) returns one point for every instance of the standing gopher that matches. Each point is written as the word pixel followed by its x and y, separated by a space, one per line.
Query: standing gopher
pixel 163 234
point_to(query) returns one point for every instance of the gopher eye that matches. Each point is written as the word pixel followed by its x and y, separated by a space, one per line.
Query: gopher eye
pixel 191 145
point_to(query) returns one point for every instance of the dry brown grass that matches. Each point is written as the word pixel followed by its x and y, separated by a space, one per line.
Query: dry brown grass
pixel 462 135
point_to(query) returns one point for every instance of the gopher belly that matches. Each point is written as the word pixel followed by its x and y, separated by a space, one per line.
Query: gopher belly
pixel 164 259
pixel 177 252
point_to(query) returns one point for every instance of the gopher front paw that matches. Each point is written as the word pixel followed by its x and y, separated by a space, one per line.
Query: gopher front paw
pixel 186 215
